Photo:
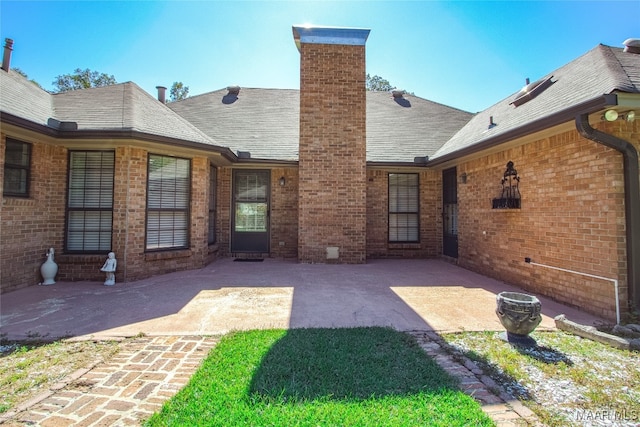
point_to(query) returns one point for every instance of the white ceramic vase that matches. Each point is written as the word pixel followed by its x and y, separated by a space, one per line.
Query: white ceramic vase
pixel 49 269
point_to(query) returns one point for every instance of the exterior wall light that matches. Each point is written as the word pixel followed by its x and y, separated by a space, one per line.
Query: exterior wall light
pixel 610 115
pixel 629 116
pixel 613 115
pixel 282 181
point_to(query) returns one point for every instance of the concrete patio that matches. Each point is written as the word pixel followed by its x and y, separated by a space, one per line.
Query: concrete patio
pixel 428 295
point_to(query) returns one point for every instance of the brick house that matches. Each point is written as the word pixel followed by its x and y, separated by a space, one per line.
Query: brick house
pixel 331 173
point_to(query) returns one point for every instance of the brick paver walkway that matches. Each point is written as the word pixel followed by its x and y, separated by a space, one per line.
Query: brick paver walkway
pixel 147 371
pixel 124 391
pixel 504 410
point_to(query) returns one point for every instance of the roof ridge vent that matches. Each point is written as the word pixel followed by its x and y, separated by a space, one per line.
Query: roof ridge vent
pixel 631 45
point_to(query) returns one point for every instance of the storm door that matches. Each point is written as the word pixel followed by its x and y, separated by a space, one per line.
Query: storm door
pixel 450 213
pixel 250 222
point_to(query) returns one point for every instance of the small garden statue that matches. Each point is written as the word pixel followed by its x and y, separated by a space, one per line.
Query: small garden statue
pixel 109 267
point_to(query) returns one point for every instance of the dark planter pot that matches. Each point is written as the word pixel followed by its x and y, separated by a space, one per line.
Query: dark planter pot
pixel 519 314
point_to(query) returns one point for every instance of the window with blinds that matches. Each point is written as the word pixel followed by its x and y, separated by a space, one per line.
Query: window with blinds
pixel 90 201
pixel 404 205
pixel 17 168
pixel 168 198
pixel 213 182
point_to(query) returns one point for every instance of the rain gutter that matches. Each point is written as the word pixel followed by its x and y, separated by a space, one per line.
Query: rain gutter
pixel 631 198
pixel 527 129
pixel 391 164
pixel 267 162
pixel 59 133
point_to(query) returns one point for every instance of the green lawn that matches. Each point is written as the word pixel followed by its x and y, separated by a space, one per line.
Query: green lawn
pixel 320 377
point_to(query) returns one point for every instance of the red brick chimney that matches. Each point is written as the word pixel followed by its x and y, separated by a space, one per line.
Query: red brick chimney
pixel 332 149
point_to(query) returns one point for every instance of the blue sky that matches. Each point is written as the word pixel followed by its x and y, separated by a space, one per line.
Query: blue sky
pixel 466 54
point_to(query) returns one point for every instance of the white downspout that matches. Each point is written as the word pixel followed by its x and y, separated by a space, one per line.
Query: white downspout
pixel 127 152
pixel 615 282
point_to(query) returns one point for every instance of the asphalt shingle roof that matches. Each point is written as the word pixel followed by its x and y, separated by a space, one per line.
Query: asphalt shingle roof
pixel 265 122
pixel 261 121
pixel 22 98
pixel 399 129
pixel 124 106
pixel 119 107
pixel 602 70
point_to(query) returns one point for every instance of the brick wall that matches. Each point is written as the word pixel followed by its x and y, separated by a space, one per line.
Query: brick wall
pixel 129 214
pixel 378 245
pixel 29 226
pixel 138 263
pixel 283 219
pixel 129 225
pixel 572 217
pixel 224 210
pixel 284 213
pixel 332 164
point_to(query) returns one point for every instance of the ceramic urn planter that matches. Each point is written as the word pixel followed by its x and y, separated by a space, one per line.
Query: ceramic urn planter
pixel 49 269
pixel 519 314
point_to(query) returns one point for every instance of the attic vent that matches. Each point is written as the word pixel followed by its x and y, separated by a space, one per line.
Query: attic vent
pixel 531 90
pixel 233 90
pixel 632 45
pixel 397 93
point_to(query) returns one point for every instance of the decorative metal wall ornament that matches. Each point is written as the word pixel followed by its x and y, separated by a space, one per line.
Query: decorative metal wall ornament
pixel 510 195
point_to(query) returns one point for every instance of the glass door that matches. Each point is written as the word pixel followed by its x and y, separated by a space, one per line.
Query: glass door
pixel 250 220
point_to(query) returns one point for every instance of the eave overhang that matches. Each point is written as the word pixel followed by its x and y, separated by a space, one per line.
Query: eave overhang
pixel 123 134
pixel 564 116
